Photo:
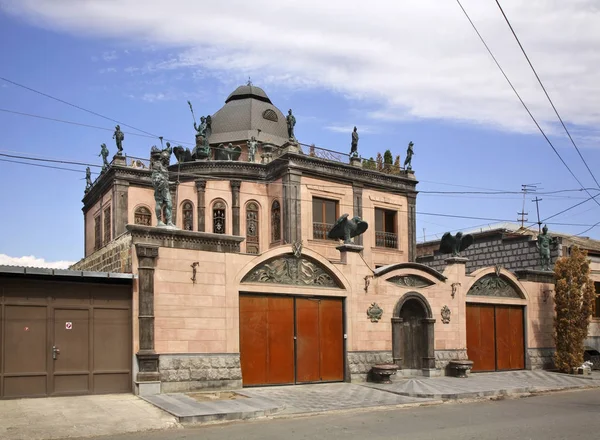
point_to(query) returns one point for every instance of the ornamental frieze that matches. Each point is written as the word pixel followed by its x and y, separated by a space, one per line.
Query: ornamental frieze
pixel 493 285
pixel 414 281
pixel 291 270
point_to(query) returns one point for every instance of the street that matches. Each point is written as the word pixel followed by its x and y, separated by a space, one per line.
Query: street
pixel 565 415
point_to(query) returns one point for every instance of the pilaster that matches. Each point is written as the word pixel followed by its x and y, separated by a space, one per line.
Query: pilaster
pixel 292 224
pixel 412 227
pixel 120 207
pixel 235 205
pixel 201 204
pixel 357 205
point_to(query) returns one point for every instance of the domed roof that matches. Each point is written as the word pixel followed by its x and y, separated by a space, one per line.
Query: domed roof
pixel 248 112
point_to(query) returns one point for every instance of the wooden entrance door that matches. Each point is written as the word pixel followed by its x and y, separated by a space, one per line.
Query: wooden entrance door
pixel 286 340
pixel 495 337
pixel 414 340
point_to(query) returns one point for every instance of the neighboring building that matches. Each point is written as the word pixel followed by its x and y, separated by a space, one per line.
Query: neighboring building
pixel 250 291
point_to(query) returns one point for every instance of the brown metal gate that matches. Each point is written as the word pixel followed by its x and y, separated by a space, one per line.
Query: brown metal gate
pixel 269 326
pixel 64 338
pixel 495 337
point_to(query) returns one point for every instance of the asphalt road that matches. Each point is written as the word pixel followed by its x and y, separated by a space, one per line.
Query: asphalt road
pixel 566 415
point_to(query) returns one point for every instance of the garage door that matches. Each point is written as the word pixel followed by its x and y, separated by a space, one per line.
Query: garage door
pixel 63 338
pixel 495 337
pixel 287 340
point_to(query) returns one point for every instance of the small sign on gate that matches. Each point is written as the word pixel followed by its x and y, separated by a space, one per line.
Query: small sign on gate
pixel 68 325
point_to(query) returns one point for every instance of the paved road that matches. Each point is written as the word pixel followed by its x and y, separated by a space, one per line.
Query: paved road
pixel 567 415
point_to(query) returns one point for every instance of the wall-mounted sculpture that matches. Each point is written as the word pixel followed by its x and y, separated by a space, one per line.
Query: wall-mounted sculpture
pixel 374 312
pixel 413 281
pixel 346 228
pixel 446 315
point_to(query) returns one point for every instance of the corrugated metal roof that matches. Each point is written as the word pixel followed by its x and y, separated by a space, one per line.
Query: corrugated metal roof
pixel 25 270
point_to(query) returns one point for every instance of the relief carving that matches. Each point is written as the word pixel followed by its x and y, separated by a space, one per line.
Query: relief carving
pixel 410 281
pixel 492 285
pixel 289 269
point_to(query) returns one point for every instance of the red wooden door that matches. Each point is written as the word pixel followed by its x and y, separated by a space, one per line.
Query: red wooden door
pixel 308 340
pixel 510 348
pixel 480 337
pixel 331 329
pixel 266 340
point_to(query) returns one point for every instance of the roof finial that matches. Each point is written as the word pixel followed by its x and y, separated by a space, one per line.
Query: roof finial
pixel 249 83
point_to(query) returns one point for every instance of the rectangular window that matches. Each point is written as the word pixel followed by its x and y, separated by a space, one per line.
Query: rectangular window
pixel 107 230
pixel 325 214
pixel 97 233
pixel 386 234
pixel 596 311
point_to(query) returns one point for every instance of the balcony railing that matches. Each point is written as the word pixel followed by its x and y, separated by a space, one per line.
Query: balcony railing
pixel 386 239
pixel 320 230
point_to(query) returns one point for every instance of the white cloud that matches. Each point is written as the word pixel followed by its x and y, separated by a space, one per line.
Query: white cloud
pixel 107 70
pixel 110 55
pixel 414 58
pixel 31 261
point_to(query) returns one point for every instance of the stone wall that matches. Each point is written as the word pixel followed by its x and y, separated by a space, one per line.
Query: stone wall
pixel 114 257
pixel 361 362
pixel 541 358
pixel 510 252
pixel 188 372
pixel 443 358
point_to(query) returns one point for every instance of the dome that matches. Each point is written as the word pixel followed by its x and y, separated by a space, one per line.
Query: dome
pixel 248 112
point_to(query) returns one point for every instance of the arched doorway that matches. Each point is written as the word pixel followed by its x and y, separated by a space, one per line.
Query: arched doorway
pixel 413 334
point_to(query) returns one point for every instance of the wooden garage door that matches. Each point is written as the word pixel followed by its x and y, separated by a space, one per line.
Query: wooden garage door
pixel 495 337
pixel 62 338
pixel 269 326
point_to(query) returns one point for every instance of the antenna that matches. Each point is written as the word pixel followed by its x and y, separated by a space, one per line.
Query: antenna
pixel 526 188
pixel 424 240
pixel 537 205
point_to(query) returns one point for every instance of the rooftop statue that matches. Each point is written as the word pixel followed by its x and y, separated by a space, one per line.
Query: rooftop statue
pixel 544 243
pixel 118 136
pixel 159 161
pixel 203 132
pixel 104 154
pixel 228 152
pixel 454 244
pixel 346 228
pixel 252 147
pixel 409 155
pixel 291 123
pixel 88 179
pixel 354 144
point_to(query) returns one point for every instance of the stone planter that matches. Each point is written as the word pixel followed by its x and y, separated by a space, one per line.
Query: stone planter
pixel 459 368
pixel 382 372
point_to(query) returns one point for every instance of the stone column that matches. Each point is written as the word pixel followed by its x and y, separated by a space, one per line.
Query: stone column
pixel 412 227
pixel 201 204
pixel 120 207
pixel 147 358
pixel 357 192
pixel 429 336
pixel 397 339
pixel 235 206
pixel 292 205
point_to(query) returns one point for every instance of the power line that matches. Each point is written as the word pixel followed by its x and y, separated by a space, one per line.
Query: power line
pixel 41 165
pixel 523 102
pixel 546 93
pixel 14 156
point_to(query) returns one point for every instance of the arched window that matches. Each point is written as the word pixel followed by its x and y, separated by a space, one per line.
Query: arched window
pixel 219 217
pixel 187 209
pixel 252 245
pixel 142 216
pixel 275 221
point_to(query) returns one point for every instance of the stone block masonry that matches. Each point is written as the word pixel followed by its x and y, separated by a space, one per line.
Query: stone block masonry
pixel 189 372
pixel 443 358
pixel 361 362
pixel 114 257
pixel 541 358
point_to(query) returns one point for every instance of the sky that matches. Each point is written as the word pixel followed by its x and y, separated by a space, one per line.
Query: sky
pixel 400 71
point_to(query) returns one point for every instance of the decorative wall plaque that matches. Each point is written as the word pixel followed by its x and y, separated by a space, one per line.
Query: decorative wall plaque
pixel 492 285
pixel 446 314
pixel 289 269
pixel 415 281
pixel 374 312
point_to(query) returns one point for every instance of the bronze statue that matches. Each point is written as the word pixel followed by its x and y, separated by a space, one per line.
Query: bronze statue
pixel 252 147
pixel 104 154
pixel 88 179
pixel 409 155
pixel 544 242
pixel 118 136
pixel 454 244
pixel 159 161
pixel 228 152
pixel 291 123
pixel 354 145
pixel 345 228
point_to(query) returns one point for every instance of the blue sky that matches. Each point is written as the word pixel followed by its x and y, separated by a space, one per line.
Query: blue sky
pixel 412 72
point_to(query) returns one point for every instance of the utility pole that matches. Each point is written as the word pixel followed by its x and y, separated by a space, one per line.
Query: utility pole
pixel 424 240
pixel 537 205
pixel 526 188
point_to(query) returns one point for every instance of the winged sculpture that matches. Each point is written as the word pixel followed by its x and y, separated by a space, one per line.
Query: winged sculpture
pixel 345 228
pixel 454 244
